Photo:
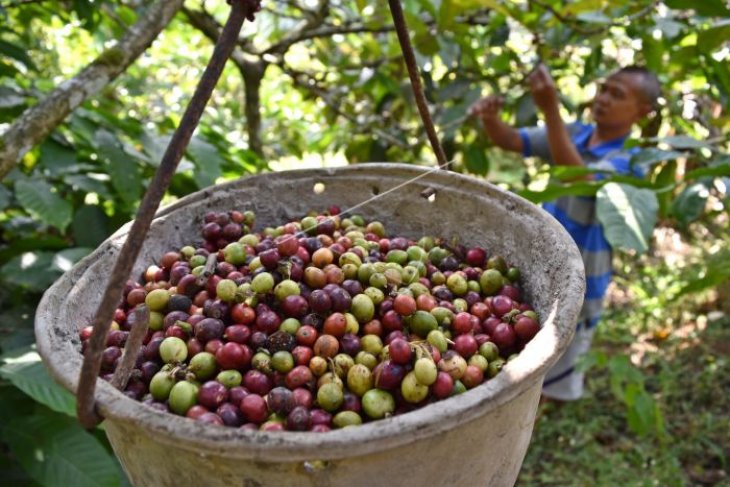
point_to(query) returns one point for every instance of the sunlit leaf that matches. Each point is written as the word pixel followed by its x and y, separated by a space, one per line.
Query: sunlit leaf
pixel 26 372
pixel 123 169
pixel 30 270
pixel 628 215
pixel 58 452
pixel 476 161
pixel 40 200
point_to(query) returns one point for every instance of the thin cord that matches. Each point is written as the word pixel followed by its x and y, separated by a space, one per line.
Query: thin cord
pixel 438 167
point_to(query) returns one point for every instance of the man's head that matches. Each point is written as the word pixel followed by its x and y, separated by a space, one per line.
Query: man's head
pixel 625 97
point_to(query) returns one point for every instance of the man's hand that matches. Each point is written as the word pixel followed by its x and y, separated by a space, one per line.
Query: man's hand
pixel 487 108
pixel 543 89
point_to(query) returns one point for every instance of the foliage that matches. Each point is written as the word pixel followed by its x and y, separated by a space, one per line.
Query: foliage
pixel 324 81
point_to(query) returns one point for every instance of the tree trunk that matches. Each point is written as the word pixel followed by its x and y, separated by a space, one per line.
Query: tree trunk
pixel 37 122
pixel 253 72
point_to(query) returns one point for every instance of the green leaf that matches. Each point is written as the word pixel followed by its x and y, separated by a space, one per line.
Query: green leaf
pixel 710 8
pixel 684 142
pixel 90 226
pixel 628 215
pixel 208 162
pixel 58 452
pixel 476 160
pixel 123 170
pixel 57 158
pixel 690 203
pixel 640 410
pixel 650 156
pixel 710 39
pixel 90 183
pixel 11 98
pixel 666 177
pixel 5 196
pixel 18 53
pixel 715 171
pixel 25 371
pixel 42 202
pixel 553 191
pixel 30 270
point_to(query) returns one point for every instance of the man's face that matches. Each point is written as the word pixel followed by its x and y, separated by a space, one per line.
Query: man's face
pixel 618 103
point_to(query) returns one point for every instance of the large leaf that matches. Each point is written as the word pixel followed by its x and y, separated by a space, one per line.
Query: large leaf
pixel 26 372
pixel 684 142
pixel 30 270
pixel 641 413
pixel 208 162
pixel 476 160
pixel 628 215
pixel 90 226
pixel 58 452
pixel 690 203
pixel 646 158
pixel 90 183
pixel 553 191
pixel 57 158
pixel 42 202
pixel 17 53
pixel 123 169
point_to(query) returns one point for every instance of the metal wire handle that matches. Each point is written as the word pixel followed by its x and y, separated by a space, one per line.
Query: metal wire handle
pixel 86 405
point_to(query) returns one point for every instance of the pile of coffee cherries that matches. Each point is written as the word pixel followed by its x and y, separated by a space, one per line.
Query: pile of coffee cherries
pixel 321 323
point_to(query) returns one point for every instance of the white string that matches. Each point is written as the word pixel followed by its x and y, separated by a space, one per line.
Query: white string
pixel 373 198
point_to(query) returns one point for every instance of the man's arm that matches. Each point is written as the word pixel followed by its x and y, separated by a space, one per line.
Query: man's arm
pixel 503 135
pixel 562 149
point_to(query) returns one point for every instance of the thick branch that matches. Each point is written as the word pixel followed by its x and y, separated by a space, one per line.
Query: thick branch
pixel 37 122
pixel 252 71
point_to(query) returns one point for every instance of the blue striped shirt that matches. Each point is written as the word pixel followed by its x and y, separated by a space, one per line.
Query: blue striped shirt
pixel 578 213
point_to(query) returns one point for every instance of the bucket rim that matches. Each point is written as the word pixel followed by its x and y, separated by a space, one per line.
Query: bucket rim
pixel 63 359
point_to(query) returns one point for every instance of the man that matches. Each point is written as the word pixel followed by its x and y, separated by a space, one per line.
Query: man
pixel 623 99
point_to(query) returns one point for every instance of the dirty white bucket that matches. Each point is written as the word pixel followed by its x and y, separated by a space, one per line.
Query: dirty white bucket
pixel 479 437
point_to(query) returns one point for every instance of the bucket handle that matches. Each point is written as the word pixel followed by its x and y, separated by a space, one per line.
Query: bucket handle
pixel 86 410
pixel 401 29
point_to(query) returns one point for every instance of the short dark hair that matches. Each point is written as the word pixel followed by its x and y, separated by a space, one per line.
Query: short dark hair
pixel 649 88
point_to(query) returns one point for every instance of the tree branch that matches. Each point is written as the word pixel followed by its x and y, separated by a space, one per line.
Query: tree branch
pixel 37 122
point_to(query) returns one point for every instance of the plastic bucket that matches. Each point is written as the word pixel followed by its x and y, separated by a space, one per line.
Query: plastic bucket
pixel 477 438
